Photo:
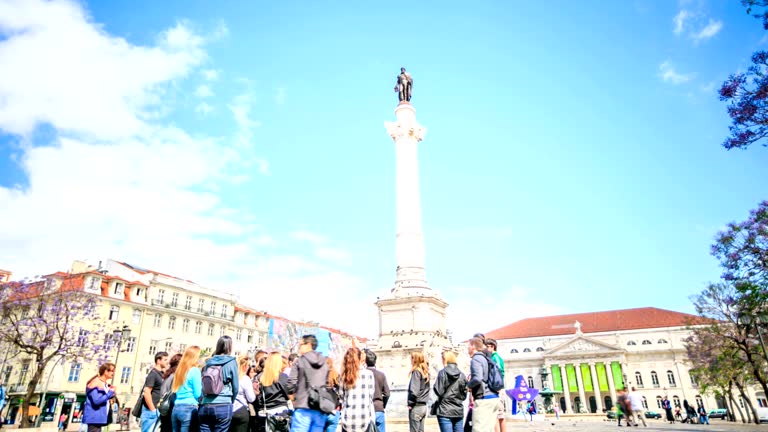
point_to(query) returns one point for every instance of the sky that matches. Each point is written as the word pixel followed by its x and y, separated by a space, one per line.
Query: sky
pixel 572 161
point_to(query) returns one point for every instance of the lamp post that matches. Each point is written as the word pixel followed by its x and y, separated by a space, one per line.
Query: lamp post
pixel 747 320
pixel 120 335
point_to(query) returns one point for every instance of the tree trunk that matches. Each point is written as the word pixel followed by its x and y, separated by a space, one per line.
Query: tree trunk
pixel 40 368
pixel 756 369
pixel 750 406
pixel 733 402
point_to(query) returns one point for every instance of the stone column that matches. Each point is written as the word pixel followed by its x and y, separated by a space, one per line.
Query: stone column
pixel 611 385
pixel 407 133
pixel 566 390
pixel 596 387
pixel 580 384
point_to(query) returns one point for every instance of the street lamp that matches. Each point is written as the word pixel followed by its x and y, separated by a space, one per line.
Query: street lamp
pixel 748 320
pixel 120 335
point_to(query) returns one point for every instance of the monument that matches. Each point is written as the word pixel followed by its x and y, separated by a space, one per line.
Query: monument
pixel 412 316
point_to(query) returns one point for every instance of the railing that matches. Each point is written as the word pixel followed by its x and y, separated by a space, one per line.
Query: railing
pixel 163 303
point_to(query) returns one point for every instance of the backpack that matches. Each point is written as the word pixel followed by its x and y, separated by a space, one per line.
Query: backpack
pixel 213 380
pixel 495 381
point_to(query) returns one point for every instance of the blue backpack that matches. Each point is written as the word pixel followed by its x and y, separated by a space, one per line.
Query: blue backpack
pixel 495 381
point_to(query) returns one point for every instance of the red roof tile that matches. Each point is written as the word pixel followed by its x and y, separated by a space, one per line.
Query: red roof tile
pixel 595 322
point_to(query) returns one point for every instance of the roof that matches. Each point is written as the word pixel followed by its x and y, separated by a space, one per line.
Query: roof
pixel 596 322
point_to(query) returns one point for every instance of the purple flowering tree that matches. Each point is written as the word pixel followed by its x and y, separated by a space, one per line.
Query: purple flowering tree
pixel 742 248
pixel 48 320
pixel 746 93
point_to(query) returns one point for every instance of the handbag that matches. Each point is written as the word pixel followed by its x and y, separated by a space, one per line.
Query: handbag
pixel 165 405
pixel 136 411
pixel 276 422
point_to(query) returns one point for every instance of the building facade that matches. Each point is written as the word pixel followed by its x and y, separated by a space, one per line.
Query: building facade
pixel 146 312
pixel 586 358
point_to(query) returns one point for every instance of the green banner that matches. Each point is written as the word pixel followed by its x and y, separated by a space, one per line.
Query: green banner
pixel 557 379
pixel 602 378
pixel 587 376
pixel 570 372
pixel 618 378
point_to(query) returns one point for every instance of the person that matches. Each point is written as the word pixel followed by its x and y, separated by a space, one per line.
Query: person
pixel 291 361
pixel 2 398
pixel 187 384
pixel 556 409
pixel 451 391
pixel 531 409
pixel 690 413
pixel 380 392
pixel 165 420
pixel 703 418
pixel 491 346
pixel 636 401
pixel 486 404
pixel 63 421
pixel 309 371
pixel 272 398
pixel 332 421
pixel 621 406
pixel 257 360
pixel 418 392
pixel 668 409
pixel 356 393
pixel 151 393
pixel 215 412
pixel 97 396
pixel 245 396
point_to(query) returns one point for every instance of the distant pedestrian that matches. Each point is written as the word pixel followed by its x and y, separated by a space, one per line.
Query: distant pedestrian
pixel 451 391
pixel 668 409
pixel 703 417
pixel 622 407
pixel 556 409
pixel 638 411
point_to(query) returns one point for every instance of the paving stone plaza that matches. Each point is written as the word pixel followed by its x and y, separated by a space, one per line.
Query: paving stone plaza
pixel 565 424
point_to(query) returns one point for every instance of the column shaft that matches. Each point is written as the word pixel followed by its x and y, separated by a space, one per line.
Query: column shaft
pixel 611 385
pixel 596 387
pixel 566 390
pixel 580 384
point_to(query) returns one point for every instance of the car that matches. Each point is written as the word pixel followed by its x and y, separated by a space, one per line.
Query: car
pixel 652 414
pixel 718 413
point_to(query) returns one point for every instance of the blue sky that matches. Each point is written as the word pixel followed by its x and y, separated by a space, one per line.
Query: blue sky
pixel 572 161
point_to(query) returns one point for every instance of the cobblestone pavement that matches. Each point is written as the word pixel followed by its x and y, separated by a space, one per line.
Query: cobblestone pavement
pixel 591 425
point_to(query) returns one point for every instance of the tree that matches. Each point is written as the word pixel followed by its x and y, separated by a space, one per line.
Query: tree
pixel 742 248
pixel 746 93
pixel 47 320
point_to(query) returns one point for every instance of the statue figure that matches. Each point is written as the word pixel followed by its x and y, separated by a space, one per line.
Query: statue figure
pixel 404 85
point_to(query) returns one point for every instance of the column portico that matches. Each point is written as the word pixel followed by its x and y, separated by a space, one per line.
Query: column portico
pixel 566 390
pixel 611 385
pixel 596 387
pixel 580 384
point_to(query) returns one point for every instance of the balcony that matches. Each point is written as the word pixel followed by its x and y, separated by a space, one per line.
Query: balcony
pixel 184 308
pixel 22 388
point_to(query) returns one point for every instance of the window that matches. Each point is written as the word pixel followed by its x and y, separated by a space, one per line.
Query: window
pixel 631 343
pixel 130 344
pixel 654 379
pixel 213 308
pixel 82 338
pixel 261 339
pixel 513 351
pixel 658 402
pixel 160 296
pixel 169 346
pixel 200 305
pixel 136 319
pixel 662 341
pixel 119 288
pixel 182 348
pixel 140 293
pixel 639 379
pixel 645 403
pixel 175 299
pixel 171 323
pixel 671 379
pixel 188 303
pixel 224 311
pixel 185 325
pixel 646 342
pixel 25 312
pixel 676 401
pixel 239 334
pixel 94 284
pixel 539 349
pixel 74 372
pixel 527 350
pixel 114 311
pixel 24 371
pixel 250 337
pixel 694 383
pixel 125 375
pixel 7 373
pixel 700 401
pixel 222 330
pixel 530 381
pixel 198 327
pixel 152 347
pixel 210 329
pixel 158 320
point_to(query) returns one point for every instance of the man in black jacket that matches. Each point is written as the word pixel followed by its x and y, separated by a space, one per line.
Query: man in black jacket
pixel 380 392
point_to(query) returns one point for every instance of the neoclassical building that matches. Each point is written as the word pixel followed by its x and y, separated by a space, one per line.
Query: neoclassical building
pixel 586 358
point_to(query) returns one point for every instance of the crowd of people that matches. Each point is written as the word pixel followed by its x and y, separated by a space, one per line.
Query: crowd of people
pixel 303 392
pixel 629 406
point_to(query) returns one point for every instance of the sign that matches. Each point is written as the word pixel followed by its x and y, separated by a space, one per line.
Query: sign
pixel 69 397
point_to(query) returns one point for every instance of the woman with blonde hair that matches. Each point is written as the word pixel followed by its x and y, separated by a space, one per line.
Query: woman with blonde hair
pixel 451 390
pixel 332 421
pixel 188 386
pixel 273 390
pixel 418 392
pixel 356 393
pixel 245 395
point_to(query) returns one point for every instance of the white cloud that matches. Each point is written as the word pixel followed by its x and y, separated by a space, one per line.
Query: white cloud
pixel 668 74
pixel 241 107
pixel 280 96
pixel 309 237
pixel 203 91
pixel 203 108
pixel 711 29
pixel 679 21
pixel 210 74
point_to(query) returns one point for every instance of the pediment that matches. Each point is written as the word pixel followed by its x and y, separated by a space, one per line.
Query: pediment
pixel 583 345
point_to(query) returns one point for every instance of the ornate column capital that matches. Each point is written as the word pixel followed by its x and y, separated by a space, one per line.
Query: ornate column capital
pixel 400 130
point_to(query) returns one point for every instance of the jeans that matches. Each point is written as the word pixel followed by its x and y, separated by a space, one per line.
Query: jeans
pixel 450 424
pixel 416 416
pixel 184 418
pixel 214 417
pixel 703 419
pixel 332 422
pixel 148 420
pixel 307 420
pixel 381 421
